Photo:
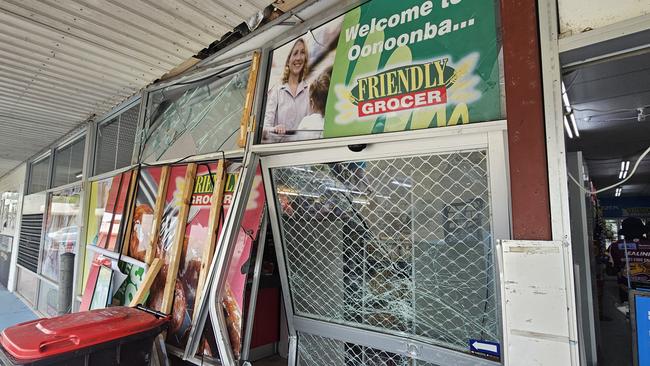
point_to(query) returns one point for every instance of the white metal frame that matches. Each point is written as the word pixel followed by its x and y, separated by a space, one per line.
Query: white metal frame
pixel 556 154
pixel 13 271
pixel 28 172
pixel 551 47
pixel 218 266
pixel 603 34
pixel 490 136
pixel 48 200
pixel 218 271
pixel 38 275
pixel 255 287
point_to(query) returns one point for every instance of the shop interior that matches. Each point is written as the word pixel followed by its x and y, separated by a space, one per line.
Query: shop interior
pixel 607 128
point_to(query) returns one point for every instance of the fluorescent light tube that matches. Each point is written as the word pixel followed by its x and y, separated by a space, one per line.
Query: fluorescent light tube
pixel 574 124
pixel 567 128
pixel 565 98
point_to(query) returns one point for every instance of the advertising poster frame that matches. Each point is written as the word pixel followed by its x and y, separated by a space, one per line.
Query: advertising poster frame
pixel 478 94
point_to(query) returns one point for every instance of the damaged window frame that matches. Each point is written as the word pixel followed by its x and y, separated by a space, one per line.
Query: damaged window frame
pixel 207 74
pixel 489 136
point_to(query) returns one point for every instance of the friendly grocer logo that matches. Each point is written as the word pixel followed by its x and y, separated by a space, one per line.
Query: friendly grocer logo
pixel 403 88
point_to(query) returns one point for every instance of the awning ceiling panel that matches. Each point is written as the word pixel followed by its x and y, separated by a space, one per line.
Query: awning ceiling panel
pixel 63 61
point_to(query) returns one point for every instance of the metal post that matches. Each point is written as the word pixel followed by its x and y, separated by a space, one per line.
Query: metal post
pixel 558 188
pixel 66 276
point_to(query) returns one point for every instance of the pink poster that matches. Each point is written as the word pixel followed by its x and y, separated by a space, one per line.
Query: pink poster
pixel 233 298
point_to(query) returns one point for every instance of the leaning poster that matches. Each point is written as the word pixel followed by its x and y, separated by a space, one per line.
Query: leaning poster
pixel 387 66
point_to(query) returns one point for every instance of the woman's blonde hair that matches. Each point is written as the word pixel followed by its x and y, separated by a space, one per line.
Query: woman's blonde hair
pixel 305 67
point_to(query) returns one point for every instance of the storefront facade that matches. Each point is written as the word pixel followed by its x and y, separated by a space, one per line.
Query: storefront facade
pixel 406 158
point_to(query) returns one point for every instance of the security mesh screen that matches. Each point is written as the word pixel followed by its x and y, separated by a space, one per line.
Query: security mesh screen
pixel 401 245
pixel 115 139
pixel 106 146
pixel 320 351
pixel 68 163
pixel 38 174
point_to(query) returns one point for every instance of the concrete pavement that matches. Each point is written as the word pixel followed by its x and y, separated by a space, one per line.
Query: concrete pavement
pixel 12 309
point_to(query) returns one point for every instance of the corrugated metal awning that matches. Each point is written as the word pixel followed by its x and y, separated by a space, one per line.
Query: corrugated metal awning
pixel 63 61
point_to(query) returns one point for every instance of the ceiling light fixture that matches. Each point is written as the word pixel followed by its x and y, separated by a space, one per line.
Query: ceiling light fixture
pixel 641 116
pixel 618 192
pixel 565 97
pixel 574 124
pixel 567 127
pixel 625 168
pixel 572 128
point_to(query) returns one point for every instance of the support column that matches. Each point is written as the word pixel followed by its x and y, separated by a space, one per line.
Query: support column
pixel 525 109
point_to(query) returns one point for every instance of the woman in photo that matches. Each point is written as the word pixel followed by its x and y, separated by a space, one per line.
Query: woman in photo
pixel 288 103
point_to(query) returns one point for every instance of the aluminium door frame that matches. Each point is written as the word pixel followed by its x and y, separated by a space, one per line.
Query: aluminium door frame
pixel 228 236
pixel 255 287
pixel 490 136
pixel 227 239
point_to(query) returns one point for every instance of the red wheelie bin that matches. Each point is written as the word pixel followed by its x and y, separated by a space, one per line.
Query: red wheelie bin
pixel 111 336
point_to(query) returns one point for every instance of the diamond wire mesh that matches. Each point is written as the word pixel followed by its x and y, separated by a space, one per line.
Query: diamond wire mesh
pixel 320 351
pixel 400 245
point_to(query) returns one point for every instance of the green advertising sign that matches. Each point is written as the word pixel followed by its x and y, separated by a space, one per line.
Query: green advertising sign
pixel 387 66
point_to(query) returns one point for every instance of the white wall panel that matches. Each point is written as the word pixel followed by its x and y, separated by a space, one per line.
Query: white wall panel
pixel 577 16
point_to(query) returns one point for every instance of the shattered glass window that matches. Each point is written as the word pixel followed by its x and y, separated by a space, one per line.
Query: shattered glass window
pixel 198 118
pixel 400 246
pixel 321 351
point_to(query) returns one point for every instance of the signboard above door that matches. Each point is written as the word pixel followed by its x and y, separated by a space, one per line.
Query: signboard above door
pixel 386 66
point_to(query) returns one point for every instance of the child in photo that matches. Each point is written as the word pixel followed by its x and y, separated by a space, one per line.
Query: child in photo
pixel 311 126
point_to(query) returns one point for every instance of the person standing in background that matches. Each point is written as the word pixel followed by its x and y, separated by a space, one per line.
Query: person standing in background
pixel 636 260
pixel 288 103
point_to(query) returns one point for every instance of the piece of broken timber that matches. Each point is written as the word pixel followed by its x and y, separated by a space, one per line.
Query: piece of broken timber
pixel 158 213
pixel 246 118
pixel 213 230
pixel 145 286
pixel 174 253
pixel 131 210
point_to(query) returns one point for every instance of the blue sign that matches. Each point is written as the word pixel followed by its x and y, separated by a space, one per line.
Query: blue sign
pixel 630 246
pixel 485 347
pixel 642 308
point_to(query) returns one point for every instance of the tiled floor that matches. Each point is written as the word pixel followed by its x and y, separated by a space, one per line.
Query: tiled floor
pixel 616 335
pixel 271 361
pixel 12 309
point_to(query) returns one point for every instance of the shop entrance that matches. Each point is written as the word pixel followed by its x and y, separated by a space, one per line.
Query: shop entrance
pixel 607 130
pixel 387 251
